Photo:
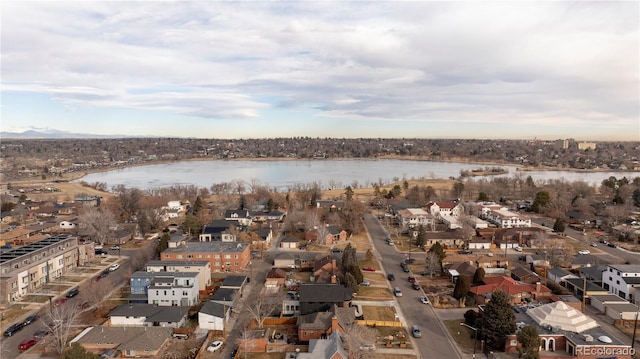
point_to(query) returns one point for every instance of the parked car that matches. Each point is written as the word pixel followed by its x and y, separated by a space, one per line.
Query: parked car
pixel 405 268
pixel 584 252
pixel 214 346
pixel 41 333
pixel 98 247
pixel 114 267
pixel 100 252
pixel 517 248
pixel 415 330
pixel 30 319
pixel 365 283
pixel 233 353
pixel 466 251
pixel 415 286
pixel 368 347
pixel 391 277
pixel 397 292
pixel 26 344
pixel 612 245
pixel 412 279
pixel 13 329
pixel 73 292
pixel 603 241
pixel 594 244
pixel 369 269
pixel 58 302
pixel 424 300
pixel 115 248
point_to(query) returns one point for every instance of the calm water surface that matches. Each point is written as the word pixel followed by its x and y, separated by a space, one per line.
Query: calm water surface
pixel 327 173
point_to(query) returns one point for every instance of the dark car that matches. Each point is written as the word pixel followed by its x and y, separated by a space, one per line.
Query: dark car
pixel 466 251
pixel 234 352
pixel 41 333
pixel 30 319
pixel 391 277
pixel 99 252
pixel 26 344
pixel 415 286
pixel 612 245
pixel 73 292
pixel 13 329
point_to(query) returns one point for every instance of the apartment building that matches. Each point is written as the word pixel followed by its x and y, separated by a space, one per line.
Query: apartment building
pixel 502 217
pixel 224 257
pixel 622 280
pixel 165 288
pixel 26 268
pixel 415 217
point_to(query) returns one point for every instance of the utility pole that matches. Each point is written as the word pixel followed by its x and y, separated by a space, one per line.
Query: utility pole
pixel 584 294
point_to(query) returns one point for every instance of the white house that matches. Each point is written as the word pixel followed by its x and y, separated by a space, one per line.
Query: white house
pixel 621 279
pixel 135 314
pixel 213 316
pixel 444 209
pixel 166 288
pixel 501 216
pixel 203 268
pixel 241 216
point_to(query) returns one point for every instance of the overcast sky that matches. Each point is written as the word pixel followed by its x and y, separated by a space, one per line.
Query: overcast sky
pixel 323 69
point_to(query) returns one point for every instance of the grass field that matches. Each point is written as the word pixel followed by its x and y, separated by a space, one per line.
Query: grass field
pixel 378 313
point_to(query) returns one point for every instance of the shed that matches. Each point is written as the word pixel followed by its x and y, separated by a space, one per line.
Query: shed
pixel 599 301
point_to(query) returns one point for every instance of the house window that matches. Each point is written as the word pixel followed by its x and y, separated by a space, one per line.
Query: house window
pixel 227 256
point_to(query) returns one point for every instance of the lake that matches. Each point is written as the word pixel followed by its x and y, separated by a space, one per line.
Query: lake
pixel 328 173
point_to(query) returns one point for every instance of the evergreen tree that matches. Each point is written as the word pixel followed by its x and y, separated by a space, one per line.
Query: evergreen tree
pixel 144 223
pixel 483 197
pixel 558 226
pixel 350 282
pixel 542 200
pixel 348 193
pixel 77 351
pixel 478 276
pixel 529 343
pixel 421 238
pixel 471 317
pixel 271 205
pixel 197 205
pixel 192 224
pixel 498 321
pixel 164 243
pixel 462 287
pixel 243 202
pixel 438 249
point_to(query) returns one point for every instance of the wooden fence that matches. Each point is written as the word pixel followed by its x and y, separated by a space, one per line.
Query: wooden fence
pixel 379 323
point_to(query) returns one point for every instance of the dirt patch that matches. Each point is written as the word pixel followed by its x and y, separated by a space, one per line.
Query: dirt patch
pixel 374 293
pixel 36 298
pixel 378 313
pixel 13 312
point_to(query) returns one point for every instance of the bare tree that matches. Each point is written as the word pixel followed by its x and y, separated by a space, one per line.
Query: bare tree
pixel 264 306
pixel 432 263
pixel 467 228
pixel 558 252
pixel 59 321
pixel 244 340
pixel 314 222
pixel 96 223
pixel 354 336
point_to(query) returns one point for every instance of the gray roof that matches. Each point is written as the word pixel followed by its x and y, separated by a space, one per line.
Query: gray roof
pixel 559 272
pixel 607 298
pixel 593 271
pixel 158 263
pixel 585 259
pixel 579 283
pixel 324 293
pixel 626 268
pixel 225 294
pixel 169 315
pixel 214 309
pixel 329 348
pixel 623 307
pixel 212 247
pixel 233 281
pixel 631 280
pixel 129 338
pixel 157 275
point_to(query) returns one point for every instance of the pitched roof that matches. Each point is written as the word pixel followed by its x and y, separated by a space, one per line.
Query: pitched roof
pixel 214 309
pixel 225 294
pixel 580 283
pixel 506 284
pixel 559 314
pixel 330 348
pixel 319 293
pixel 522 272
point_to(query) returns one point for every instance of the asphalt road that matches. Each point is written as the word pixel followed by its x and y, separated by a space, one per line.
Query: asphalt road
pixel 434 343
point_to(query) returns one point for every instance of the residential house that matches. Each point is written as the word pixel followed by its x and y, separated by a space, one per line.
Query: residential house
pixel 327 235
pixel 330 205
pixel 25 269
pixel 459 269
pixel 593 273
pixel 621 279
pixel 584 260
pixel 517 292
pixel 558 275
pixel 203 268
pixel 148 315
pixel 289 243
pixel 213 315
pixel 276 278
pixel 132 342
pixel 165 288
pixel 266 235
pixel 448 239
pixel 225 296
pixel 240 216
pixel 480 243
pixel 445 209
pixel 123 233
pixel 566 332
pixel 224 257
pixel 321 297
pixel 330 348
pixel 326 270
pixel 236 282
pixel 520 236
pixel 524 275
pixel 218 230
pixel 479 260
pixel 320 325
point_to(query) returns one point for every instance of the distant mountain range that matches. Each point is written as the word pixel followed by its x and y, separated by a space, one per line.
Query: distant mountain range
pixel 54 134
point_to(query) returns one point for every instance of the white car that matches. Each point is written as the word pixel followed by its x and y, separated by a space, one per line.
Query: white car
pixel 584 252
pixel 98 246
pixel 114 267
pixel 214 346
pixel 115 248
pixel 424 300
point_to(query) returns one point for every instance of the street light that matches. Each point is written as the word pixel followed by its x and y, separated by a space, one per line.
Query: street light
pixel 475 336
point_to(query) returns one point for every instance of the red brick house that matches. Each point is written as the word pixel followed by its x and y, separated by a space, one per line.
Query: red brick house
pixel 320 325
pixel 516 291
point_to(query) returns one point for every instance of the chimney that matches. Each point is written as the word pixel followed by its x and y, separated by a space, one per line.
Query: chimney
pixel 333 279
pixel 538 287
pixel 334 323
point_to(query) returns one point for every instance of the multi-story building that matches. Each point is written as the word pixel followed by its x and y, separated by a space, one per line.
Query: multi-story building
pixel 223 256
pixel 502 217
pixel 202 267
pixel 415 217
pixel 166 288
pixel 24 269
pixel 622 280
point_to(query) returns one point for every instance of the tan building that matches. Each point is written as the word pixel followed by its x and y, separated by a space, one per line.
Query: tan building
pixel 230 257
pixel 24 269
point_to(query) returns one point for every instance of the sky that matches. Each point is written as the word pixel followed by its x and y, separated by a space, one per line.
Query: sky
pixel 346 69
